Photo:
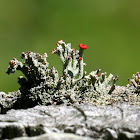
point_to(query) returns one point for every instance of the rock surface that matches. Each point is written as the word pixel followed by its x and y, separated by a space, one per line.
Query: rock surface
pixel 77 122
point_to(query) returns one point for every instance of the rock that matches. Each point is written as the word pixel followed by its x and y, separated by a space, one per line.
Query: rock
pixel 19 100
pixel 55 136
pixel 77 122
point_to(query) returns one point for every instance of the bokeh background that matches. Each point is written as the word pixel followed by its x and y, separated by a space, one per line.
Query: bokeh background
pixel 110 29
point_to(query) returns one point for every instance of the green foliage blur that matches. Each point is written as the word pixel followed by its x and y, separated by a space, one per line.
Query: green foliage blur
pixel 110 29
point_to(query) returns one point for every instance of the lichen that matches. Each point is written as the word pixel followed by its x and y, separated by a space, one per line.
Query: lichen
pixel 72 60
pixel 134 84
pixel 43 85
pixel 135 81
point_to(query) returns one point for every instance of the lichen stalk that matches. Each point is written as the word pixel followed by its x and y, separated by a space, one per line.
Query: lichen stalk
pixel 72 61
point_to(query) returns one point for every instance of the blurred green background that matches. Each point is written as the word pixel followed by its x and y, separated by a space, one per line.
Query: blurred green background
pixel 110 29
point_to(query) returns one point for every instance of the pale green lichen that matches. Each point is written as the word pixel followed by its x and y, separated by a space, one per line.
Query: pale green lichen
pixel 42 85
pixel 135 81
pixel 134 84
pixel 72 60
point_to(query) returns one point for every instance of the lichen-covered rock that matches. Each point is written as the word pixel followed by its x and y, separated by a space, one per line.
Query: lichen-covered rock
pixel 42 85
pixel 8 101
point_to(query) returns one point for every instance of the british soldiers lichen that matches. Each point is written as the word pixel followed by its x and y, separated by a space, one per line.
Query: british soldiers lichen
pixel 135 81
pixel 43 85
pixel 134 84
pixel 72 60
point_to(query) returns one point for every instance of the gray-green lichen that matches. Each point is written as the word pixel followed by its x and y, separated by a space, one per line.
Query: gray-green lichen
pixel 43 85
pixel 135 82
pixel 133 89
pixel 72 60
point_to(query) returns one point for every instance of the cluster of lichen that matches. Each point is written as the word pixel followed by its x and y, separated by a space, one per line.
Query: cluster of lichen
pixel 43 85
pixel 134 84
pixel 135 81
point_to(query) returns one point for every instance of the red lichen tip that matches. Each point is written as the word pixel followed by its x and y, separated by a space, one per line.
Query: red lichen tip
pixel 52 51
pixel 82 46
pixel 70 56
pixel 60 42
pixel 80 58
pixel 73 50
pixel 12 63
pixel 99 74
